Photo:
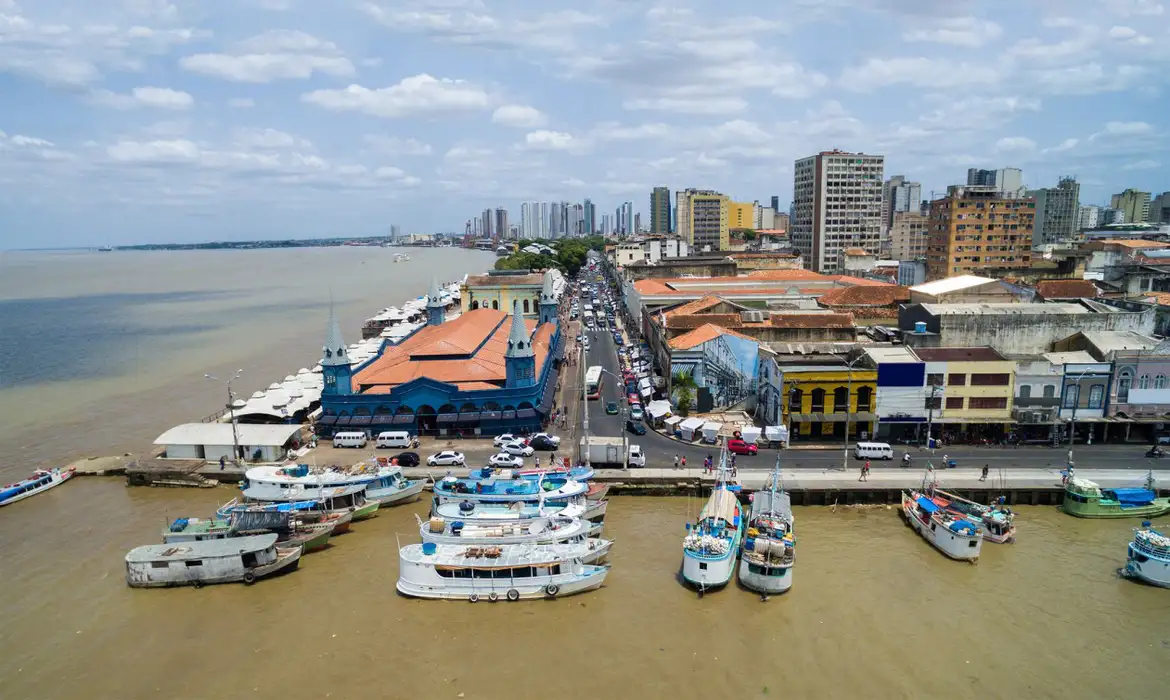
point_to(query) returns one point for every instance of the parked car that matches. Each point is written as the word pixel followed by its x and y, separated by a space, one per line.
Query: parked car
pixel 518 448
pixel 611 408
pixel 547 436
pixel 501 440
pixel 542 443
pixel 636 412
pixel 407 459
pixel 636 457
pixel 446 458
pixel 740 447
pixel 635 427
pixel 506 461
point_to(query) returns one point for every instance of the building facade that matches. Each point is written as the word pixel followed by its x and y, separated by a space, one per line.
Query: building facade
pixel 702 220
pixel 660 210
pixel 976 228
pixel 901 393
pixel 1008 181
pixel 1088 217
pixel 909 233
pixel 741 215
pixel 1160 209
pixel 822 399
pixel 976 389
pixel 500 289
pixel 899 195
pixel 1057 212
pixel 837 201
pixel 1133 205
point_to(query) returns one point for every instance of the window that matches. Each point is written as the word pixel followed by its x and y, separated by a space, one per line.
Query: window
pixel 794 400
pixel 1123 384
pixel 1096 396
pixel 525 306
pixel 1160 381
pixel 934 402
pixel 1072 394
pixel 988 402
pixel 818 400
pixel 1025 391
pixel 956 379
pixel 954 402
pixel 1049 391
pixel 841 400
pixel 1144 381
pixel 990 379
pixel 934 380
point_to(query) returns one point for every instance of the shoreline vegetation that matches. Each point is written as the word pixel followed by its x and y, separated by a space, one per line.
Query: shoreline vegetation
pixel 570 254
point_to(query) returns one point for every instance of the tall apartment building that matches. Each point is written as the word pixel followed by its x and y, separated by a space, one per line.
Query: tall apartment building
pixel 1160 209
pixel 898 194
pixel 782 221
pixel 837 203
pixel 776 202
pixel 660 210
pixel 1088 217
pixel 589 223
pixel 1009 181
pixel 1057 211
pixel 741 215
pixel 501 224
pixel 765 217
pixel 909 233
pixel 1133 204
pixel 702 219
pixel 487 223
pixel 977 228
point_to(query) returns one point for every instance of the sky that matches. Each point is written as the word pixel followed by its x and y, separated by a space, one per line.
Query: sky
pixel 131 121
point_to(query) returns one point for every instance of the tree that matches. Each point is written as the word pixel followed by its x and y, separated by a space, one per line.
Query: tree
pixel 683 387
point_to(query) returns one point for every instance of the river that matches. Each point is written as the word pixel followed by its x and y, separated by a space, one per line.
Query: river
pixel 874 612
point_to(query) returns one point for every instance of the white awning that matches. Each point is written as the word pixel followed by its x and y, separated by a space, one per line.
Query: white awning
pixel 673 421
pixel 691 424
pixel 711 430
pixel 221 434
pixel 658 409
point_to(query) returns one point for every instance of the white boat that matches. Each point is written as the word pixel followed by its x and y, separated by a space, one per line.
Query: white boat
pixel 505 489
pixel 1148 557
pixel 499 513
pixel 769 548
pixel 505 572
pixel 384 484
pixel 224 560
pixel 712 544
pixel 955 536
pixel 551 530
pixel 42 480
pixel 997 520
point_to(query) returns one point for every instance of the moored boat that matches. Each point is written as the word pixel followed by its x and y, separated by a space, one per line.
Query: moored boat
pixel 508 490
pixel 1086 499
pixel 41 480
pixel 953 535
pixel 308 532
pixel 712 544
pixel 502 513
pixel 503 572
pixel 223 560
pixel 384 483
pixel 997 520
pixel 350 498
pixel 1148 557
pixel 308 511
pixel 769 547
pixel 550 530
pixel 581 473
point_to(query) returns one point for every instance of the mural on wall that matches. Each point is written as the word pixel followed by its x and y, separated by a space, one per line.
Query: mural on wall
pixel 724 365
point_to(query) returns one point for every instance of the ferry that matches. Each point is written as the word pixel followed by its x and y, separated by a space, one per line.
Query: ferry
pixel 711 544
pixel 384 484
pixel 955 536
pixel 769 549
pixel 492 573
pixel 311 534
pixel 1148 557
pixel 333 499
pixel 1085 499
pixel 225 560
pixel 41 480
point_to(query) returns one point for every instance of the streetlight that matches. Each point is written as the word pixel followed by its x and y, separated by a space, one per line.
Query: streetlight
pixel 848 399
pixel 934 389
pixel 625 412
pixel 1072 421
pixel 231 413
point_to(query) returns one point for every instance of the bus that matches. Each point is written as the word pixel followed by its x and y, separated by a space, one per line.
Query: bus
pixel 593 382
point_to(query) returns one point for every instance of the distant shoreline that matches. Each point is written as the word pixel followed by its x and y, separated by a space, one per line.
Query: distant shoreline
pixel 350 242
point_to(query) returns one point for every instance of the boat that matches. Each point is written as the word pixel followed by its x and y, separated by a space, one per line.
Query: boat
pixel 953 535
pixel 1086 499
pixel 224 560
pixel 550 530
pixel 290 530
pixel 997 520
pixel 308 511
pixel 504 489
pixel 1148 557
pixel 509 572
pixel 351 497
pixel 41 480
pixel 712 543
pixel 384 483
pixel 581 473
pixel 769 548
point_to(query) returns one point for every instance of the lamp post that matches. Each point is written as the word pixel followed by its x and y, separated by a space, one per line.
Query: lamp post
pixel 848 400
pixel 1072 421
pixel 934 389
pixel 625 412
pixel 584 406
pixel 231 412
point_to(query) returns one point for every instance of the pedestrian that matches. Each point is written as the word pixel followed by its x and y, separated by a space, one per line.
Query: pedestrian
pixel 733 460
pixel 946 461
pixel 221 462
pixel 684 461
pixel 984 475
pixel 676 461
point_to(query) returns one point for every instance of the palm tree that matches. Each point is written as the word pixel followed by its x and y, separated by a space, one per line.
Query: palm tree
pixel 683 387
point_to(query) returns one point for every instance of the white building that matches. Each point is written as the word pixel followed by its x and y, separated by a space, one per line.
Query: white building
pixel 650 250
pixel 837 203
pixel 210 441
pixel 1089 217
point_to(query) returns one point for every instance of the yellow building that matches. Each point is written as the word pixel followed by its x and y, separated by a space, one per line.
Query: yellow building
pixel 741 215
pixel 976 386
pixel 498 289
pixel 702 219
pixel 821 398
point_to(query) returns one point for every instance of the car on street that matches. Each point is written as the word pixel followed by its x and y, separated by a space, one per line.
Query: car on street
pixel 635 427
pixel 542 443
pixel 407 459
pixel 611 408
pixel 501 440
pixel 518 448
pixel 548 437
pixel 505 461
pixel 636 457
pixel 446 458
pixel 636 412
pixel 740 447
pixel 579 337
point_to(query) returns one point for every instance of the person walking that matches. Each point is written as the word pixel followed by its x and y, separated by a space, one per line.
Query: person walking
pixel 983 477
pixel 684 461
pixel 676 461
pixel 864 472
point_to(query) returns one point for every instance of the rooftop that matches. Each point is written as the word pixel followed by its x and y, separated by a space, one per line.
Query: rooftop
pixel 702 334
pixel 857 251
pixel 1004 309
pixel 1112 341
pixel 528 278
pixel 865 295
pixel 774 320
pixel 986 354
pixel 1067 289
pixel 951 284
pixel 892 353
pixel 250 434
pixel 1134 243
pixel 1070 357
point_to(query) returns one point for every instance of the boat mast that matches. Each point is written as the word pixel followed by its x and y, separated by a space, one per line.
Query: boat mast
pixel 775 479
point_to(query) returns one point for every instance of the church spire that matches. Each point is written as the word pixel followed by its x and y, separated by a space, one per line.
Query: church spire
pixel 519 344
pixel 334 352
pixel 435 306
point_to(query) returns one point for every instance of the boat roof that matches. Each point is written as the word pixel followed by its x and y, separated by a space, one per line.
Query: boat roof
pixel 722 504
pixel 299 494
pixel 510 554
pixel 227 547
pixel 927 505
pixel 762 503
pixel 286 475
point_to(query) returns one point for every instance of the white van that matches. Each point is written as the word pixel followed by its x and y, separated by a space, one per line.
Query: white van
pixel 636 457
pixel 353 439
pixel 873 450
pixel 393 438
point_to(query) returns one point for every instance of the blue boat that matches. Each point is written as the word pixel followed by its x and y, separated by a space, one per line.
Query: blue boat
pixel 554 491
pixel 579 473
pixel 41 481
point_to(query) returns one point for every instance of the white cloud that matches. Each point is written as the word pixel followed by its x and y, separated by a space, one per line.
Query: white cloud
pixel 1127 128
pixel 149 97
pixel 521 116
pixel 154 152
pixel 392 146
pixel 1015 144
pixel 273 55
pixel 688 105
pixel 418 94
pixel 29 142
pixel 918 72
pixel 268 139
pixel 1140 8
pixel 1142 165
pixel 242 102
pixel 1065 145
pixel 551 140
pixel 969 32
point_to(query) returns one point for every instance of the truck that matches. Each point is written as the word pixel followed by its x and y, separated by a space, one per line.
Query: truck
pixel 603 451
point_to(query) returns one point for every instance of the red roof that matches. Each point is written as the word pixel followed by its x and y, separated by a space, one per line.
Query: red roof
pixel 865 295
pixel 1067 289
pixel 702 334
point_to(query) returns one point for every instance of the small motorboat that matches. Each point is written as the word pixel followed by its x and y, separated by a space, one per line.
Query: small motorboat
pixel 42 480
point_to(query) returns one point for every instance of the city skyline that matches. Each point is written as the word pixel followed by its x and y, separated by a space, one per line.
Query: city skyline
pixel 137 121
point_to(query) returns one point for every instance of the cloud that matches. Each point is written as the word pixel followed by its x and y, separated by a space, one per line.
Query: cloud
pixel 419 94
pixel 270 56
pixel 1142 165
pixel 957 31
pixel 551 141
pixel 1015 144
pixel 521 116
pixel 29 141
pixel 144 97
pixel 393 146
pixel 918 71
pixel 1065 145
pixel 242 102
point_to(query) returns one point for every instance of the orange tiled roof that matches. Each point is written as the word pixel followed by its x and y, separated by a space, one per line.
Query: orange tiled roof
pixel 1160 298
pixel 1066 289
pixel 696 306
pixel 856 251
pixel 786 275
pixel 702 334
pixel 865 295
pixel 775 320
pixel 1135 243
pixel 536 278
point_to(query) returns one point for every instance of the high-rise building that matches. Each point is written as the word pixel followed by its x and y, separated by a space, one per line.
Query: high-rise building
pixel 899 194
pixel 776 202
pixel 702 219
pixel 1160 209
pixel 765 217
pixel 638 223
pixel 590 218
pixel 1057 211
pixel 1089 217
pixel 1111 216
pixel 975 228
pixel 782 221
pixel 741 215
pixel 487 221
pixel 1010 181
pixel 628 218
pixel 660 210
pixel 576 223
pixel 544 221
pixel 837 197
pixel 395 232
pixel 501 227
pixel 909 234
pixel 605 225
pixel 1133 204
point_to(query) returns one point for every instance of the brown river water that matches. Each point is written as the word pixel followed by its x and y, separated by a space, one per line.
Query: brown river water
pixel 99 353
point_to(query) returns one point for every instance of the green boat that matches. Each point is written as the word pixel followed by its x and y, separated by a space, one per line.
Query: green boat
pixel 366 510
pixel 1085 499
pixel 310 536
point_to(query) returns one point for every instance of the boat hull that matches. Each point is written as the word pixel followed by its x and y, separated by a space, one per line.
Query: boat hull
pixel 395 497
pixel 1160 506
pixel 707 573
pixel 1155 572
pixel 954 546
pixel 287 559
pixel 474 590
pixel 765 579
pixel 58 478
pixel 365 511
pixel 317 540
